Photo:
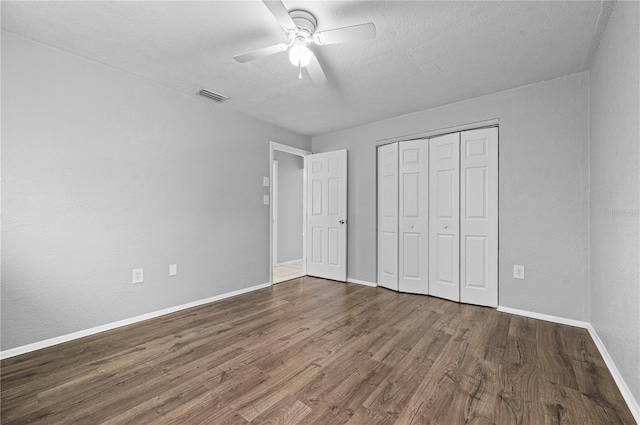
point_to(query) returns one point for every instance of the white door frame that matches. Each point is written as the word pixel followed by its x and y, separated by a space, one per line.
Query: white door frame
pixel 274 146
pixel 274 208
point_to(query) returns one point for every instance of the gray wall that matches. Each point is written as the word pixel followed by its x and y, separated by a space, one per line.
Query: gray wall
pixel 103 172
pixel 290 174
pixel 615 140
pixel 543 189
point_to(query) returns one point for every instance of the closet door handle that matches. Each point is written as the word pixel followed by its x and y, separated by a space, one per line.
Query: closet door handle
pixel 342 221
pixel 445 226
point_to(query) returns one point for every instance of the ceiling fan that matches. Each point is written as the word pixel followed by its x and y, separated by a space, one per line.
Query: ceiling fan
pixel 300 27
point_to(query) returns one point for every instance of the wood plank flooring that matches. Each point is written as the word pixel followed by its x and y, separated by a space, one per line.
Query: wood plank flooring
pixel 312 351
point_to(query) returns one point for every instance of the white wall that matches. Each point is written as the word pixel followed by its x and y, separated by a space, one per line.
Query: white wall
pixel 543 189
pixel 615 203
pixel 290 179
pixel 103 172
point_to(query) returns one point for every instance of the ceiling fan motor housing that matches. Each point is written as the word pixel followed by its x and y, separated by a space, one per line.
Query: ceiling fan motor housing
pixel 305 25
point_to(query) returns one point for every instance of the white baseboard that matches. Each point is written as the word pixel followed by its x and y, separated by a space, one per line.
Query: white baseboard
pixel 617 376
pixel 632 403
pixel 545 317
pixel 362 282
pixel 80 334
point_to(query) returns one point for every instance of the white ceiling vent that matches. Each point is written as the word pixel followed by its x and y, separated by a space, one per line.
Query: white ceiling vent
pixel 213 95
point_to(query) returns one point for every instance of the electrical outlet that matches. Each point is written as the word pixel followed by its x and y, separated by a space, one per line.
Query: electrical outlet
pixel 137 275
pixel 518 272
pixel 173 269
pixel 265 199
pixel 265 181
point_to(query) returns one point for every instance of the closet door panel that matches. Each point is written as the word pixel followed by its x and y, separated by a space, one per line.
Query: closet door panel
pixel 479 217
pixel 444 216
pixel 413 220
pixel 388 216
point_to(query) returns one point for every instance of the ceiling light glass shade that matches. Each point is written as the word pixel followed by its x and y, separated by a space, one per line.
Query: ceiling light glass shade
pixel 299 55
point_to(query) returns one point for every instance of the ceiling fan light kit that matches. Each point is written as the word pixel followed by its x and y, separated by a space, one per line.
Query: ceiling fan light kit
pixel 300 27
pixel 299 54
pixel 300 37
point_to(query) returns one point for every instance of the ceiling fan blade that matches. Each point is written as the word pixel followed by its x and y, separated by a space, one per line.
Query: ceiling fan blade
pixel 281 13
pixel 315 70
pixel 260 53
pixel 346 34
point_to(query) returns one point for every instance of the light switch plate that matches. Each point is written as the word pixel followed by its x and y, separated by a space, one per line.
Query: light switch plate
pixel 265 181
pixel 518 272
pixel 173 269
pixel 265 199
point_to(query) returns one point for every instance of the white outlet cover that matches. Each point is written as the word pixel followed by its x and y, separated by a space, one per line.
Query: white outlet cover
pixel 173 269
pixel 265 199
pixel 518 272
pixel 265 181
pixel 137 276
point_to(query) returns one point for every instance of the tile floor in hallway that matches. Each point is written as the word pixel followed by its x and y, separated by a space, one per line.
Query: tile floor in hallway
pixel 287 271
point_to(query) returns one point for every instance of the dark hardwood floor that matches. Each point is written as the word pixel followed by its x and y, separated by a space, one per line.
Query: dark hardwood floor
pixel 311 351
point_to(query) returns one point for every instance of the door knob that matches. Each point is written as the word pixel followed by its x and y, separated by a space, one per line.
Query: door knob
pixel 411 227
pixel 342 221
pixel 445 226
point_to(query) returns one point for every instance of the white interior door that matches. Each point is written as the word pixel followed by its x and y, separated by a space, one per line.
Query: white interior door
pixel 388 216
pixel 444 220
pixel 479 217
pixel 327 215
pixel 413 220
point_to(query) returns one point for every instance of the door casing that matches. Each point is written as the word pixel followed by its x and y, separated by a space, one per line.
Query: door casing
pixel 274 146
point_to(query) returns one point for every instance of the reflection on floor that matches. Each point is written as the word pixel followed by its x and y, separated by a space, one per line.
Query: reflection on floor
pixel 287 271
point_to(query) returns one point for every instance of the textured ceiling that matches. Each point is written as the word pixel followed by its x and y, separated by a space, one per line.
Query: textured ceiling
pixel 426 53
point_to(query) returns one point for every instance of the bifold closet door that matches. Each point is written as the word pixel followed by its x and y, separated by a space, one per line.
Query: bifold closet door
pixel 413 217
pixel 479 217
pixel 388 216
pixel 444 216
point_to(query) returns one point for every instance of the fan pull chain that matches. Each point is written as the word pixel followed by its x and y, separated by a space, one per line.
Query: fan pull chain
pixel 299 70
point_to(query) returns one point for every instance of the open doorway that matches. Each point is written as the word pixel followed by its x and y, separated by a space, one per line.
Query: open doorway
pixel 287 213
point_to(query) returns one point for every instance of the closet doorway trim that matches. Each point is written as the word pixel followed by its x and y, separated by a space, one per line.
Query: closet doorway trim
pixel 440 132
